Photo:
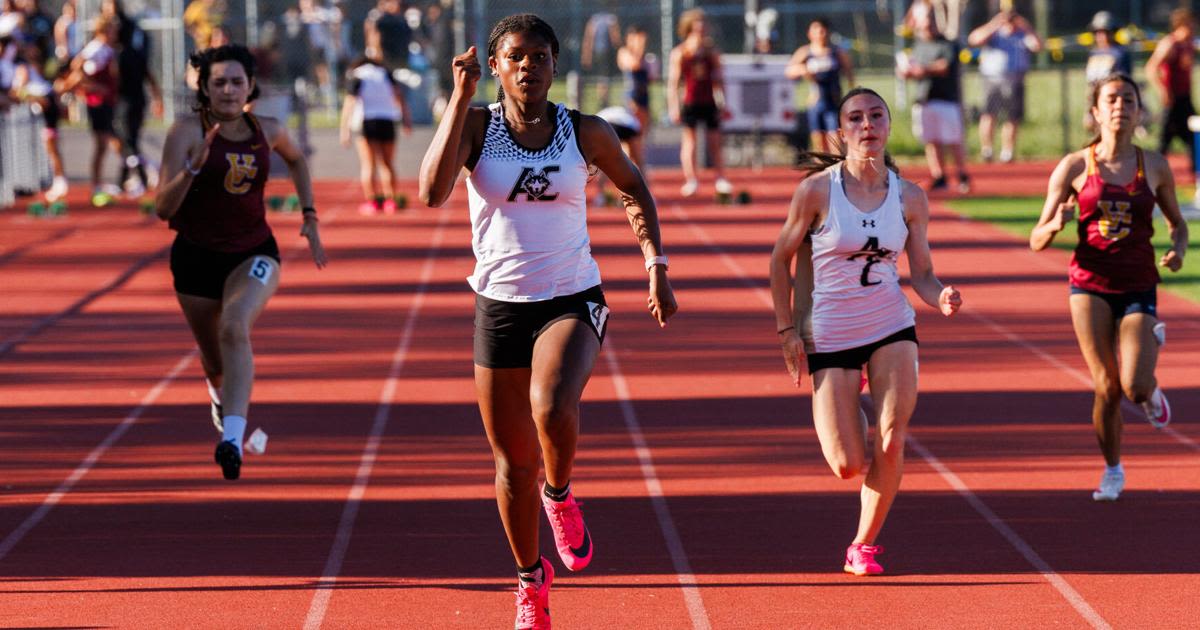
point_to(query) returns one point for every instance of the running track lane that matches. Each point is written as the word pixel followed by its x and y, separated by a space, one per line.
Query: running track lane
pixel 731 441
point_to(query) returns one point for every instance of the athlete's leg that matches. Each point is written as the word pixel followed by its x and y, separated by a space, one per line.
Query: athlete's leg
pixel 385 151
pixel 1008 139
pixel 203 316
pixel 687 152
pixel 712 136
pixel 366 168
pixel 247 290
pixel 563 357
pixel 934 157
pixel 1095 330
pixel 987 127
pixel 1139 355
pixel 836 416
pixel 504 405
pixel 893 375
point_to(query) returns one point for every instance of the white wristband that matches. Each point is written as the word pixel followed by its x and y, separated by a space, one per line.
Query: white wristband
pixel 656 260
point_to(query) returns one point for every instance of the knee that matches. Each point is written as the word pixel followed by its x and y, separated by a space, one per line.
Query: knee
pixel 234 331
pixel 513 473
pixel 1108 390
pixel 552 412
pixel 846 466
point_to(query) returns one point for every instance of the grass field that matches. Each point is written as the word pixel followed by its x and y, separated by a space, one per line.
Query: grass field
pixel 1018 215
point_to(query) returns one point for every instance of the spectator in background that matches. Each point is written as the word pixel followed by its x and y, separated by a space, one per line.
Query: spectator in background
pixel 1106 57
pixel 388 32
pixel 319 22
pixel 824 66
pixel 23 82
pixel 94 73
pixel 201 18
pixel 1008 42
pixel 133 77
pixel 937 112
pixel 695 65
pixel 1170 68
pixel 440 51
pixel 66 36
pixel 601 38
pixel 631 58
pixel 38 29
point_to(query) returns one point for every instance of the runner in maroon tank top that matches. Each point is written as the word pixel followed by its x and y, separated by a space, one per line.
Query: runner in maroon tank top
pixel 1113 279
pixel 695 65
pixel 225 261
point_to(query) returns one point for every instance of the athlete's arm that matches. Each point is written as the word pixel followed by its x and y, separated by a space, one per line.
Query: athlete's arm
pixel 1152 64
pixel 847 66
pixel 1164 191
pixel 347 114
pixel 718 79
pixel 945 299
pixel 448 153
pixel 293 156
pixel 1059 208
pixel 811 195
pixel 184 153
pixel 602 148
pixel 796 68
pixel 675 69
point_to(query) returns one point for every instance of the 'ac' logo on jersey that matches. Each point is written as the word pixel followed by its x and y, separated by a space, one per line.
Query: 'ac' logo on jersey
pixel 535 184
pixel 1117 219
pixel 241 170
pixel 872 253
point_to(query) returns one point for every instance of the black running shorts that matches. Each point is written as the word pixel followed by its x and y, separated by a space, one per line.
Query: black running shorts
pixel 202 272
pixel 506 331
pixel 856 358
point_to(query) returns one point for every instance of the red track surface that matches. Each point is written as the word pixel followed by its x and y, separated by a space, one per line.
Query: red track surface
pixel 726 517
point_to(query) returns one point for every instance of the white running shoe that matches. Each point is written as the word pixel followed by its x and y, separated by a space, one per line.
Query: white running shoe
pixel 723 186
pixel 689 188
pixel 1160 333
pixel 1111 485
pixel 1157 409
pixel 57 190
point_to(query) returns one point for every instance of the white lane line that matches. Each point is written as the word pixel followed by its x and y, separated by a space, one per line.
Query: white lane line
pixel 94 456
pixel 341 541
pixel 683 569
pixel 1022 547
pixel 1070 594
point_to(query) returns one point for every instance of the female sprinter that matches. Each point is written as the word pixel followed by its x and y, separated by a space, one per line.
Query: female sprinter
pixel 378 103
pixel 861 216
pixel 225 260
pixel 540 313
pixel 1112 274
pixel 695 65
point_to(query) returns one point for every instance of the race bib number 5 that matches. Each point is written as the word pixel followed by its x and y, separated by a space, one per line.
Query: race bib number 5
pixel 262 269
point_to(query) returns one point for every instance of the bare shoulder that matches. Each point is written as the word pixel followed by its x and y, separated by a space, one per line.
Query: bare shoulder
pixel 916 203
pixel 186 125
pixel 1072 165
pixel 1155 161
pixel 813 191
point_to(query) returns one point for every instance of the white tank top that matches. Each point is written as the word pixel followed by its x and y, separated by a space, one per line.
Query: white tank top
pixel 529 215
pixel 857 298
pixel 375 89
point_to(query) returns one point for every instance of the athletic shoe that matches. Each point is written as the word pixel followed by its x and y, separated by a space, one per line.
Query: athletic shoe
pixel 689 188
pixel 367 208
pixel 101 199
pixel 230 460
pixel 1160 333
pixel 217 414
pixel 723 186
pixel 964 184
pixel 533 602
pixel 571 535
pixel 937 184
pixel 57 190
pixel 860 559
pixel 1157 409
pixel 1111 485
pixel 1006 156
pixel 986 154
pixel 389 207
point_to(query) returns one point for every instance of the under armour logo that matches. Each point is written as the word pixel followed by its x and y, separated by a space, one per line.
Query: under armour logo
pixel 535 184
pixel 868 222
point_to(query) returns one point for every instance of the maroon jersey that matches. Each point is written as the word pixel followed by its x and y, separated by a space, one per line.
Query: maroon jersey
pixel 223 210
pixel 696 70
pixel 1175 71
pixel 1114 254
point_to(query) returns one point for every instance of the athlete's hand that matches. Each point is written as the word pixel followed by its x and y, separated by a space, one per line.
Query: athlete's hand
pixel 793 354
pixel 309 230
pixel 676 116
pixel 1064 214
pixel 949 301
pixel 661 301
pixel 466 72
pixel 198 152
pixel 1171 260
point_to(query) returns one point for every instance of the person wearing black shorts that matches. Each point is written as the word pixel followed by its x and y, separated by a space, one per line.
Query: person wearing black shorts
pixel 374 102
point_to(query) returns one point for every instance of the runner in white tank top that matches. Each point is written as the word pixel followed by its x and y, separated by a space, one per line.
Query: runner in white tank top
pixel 860 317
pixel 540 313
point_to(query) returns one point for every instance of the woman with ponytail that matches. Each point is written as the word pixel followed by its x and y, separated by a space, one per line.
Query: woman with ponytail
pixel 540 314
pixel 225 261
pixel 1113 279
pixel 860 215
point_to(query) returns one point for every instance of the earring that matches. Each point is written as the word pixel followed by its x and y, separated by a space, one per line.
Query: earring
pixel 495 74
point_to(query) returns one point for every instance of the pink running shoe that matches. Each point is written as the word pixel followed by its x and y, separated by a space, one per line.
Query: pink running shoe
pixel 389 207
pixel 367 209
pixel 860 559
pixel 533 602
pixel 571 535
pixel 1157 409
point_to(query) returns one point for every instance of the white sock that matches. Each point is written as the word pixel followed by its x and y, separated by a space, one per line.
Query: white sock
pixel 212 392
pixel 235 430
pixel 1119 468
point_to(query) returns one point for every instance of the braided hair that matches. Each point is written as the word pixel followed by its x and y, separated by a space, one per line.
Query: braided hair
pixel 811 162
pixel 521 23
